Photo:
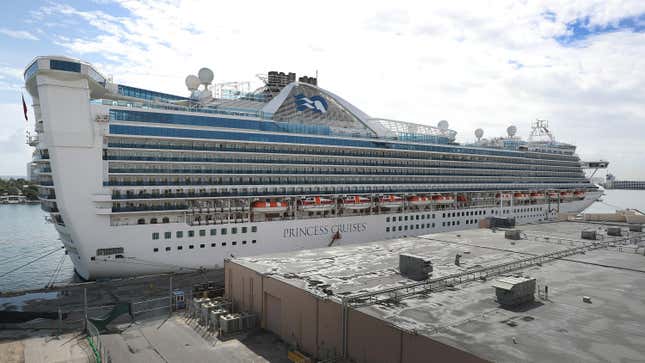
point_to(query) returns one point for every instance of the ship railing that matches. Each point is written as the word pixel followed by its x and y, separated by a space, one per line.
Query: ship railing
pixel 324 151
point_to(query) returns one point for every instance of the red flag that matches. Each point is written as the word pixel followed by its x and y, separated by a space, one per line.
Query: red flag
pixel 24 107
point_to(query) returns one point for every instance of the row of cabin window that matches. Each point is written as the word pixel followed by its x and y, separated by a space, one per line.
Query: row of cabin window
pixel 202 232
pixel 412 227
pixel 203 245
pixel 443 215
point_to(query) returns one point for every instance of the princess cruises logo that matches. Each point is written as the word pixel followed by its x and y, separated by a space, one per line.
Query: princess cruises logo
pixel 314 103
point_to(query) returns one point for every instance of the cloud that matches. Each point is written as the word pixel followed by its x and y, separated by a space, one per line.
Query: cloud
pixel 15 153
pixel 18 34
pixel 477 64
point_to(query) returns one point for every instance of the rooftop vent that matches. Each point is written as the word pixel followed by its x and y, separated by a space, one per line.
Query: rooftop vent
pixel 514 234
pixel 502 222
pixel 589 235
pixel 636 228
pixel 513 291
pixel 415 267
pixel 614 231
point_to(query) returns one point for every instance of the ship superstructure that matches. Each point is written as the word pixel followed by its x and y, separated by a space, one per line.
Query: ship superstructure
pixel 138 181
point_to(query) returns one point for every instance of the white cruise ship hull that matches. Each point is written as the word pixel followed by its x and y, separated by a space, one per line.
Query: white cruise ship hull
pixel 278 236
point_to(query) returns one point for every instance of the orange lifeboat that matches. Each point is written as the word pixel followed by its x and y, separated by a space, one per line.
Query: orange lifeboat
pixel 537 196
pixel 269 206
pixel 443 199
pixel 566 195
pixel 317 204
pixel 521 196
pixel 503 196
pixel 390 202
pixel 462 198
pixel 356 203
pixel 553 195
pixel 579 194
pixel 419 200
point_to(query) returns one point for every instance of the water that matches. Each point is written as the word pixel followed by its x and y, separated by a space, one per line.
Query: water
pixel 619 199
pixel 25 236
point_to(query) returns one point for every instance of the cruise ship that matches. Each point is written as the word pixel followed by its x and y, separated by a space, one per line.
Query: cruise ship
pixel 138 181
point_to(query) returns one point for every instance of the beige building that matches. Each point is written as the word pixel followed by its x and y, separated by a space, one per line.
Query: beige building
pixel 352 302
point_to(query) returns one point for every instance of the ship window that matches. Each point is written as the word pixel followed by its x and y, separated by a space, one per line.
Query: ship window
pixel 180 247
pixel 202 245
pixel 191 246
pixel 167 235
pixel 223 231
pixel 155 235
pixel 141 221
pixel 213 231
pixel 400 228
pixel 202 232
pixel 253 241
pixel 234 230
pixel 93 258
pixel 406 218
pixel 244 229
pixel 155 249
pixel 153 220
pixel 109 251
pixel 243 242
pixel 387 219
pixel 223 244
pixel 432 225
pixel 167 248
pixel 180 234
pixel 165 220
pixel 213 244
pixel 234 243
pixel 191 233
pixel 387 229
pixel 254 228
pixel 64 66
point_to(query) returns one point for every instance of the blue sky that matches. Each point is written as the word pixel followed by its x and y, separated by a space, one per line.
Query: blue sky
pixel 577 64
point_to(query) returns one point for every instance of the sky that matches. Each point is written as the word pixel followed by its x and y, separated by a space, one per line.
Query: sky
pixel 478 64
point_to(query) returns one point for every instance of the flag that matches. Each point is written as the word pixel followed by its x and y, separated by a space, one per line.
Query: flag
pixel 24 107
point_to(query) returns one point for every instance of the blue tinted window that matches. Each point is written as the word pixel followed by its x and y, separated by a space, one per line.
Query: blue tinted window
pixel 65 66
pixel 31 70
pixel 146 94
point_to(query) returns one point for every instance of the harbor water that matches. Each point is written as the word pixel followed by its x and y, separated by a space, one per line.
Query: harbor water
pixel 26 236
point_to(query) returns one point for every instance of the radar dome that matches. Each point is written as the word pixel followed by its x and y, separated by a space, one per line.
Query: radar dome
pixel 205 75
pixel 511 130
pixel 192 82
pixel 479 133
pixel 443 125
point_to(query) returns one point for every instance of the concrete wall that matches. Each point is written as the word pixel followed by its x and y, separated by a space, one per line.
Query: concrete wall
pixel 314 324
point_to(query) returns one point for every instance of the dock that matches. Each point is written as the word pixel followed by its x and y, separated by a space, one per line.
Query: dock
pixel 552 291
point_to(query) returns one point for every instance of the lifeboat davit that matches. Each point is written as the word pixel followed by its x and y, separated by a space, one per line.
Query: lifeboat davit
pixel 317 204
pixel 419 200
pixel 390 202
pixel 356 203
pixel 521 196
pixel 269 206
pixel 553 195
pixel 537 196
pixel 443 199
pixel 579 194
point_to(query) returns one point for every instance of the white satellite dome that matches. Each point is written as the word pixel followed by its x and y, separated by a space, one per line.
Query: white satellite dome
pixel 479 133
pixel 443 125
pixel 192 82
pixel 205 75
pixel 511 130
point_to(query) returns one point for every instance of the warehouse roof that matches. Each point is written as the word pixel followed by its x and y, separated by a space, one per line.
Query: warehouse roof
pixel 466 315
